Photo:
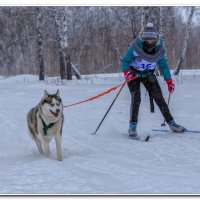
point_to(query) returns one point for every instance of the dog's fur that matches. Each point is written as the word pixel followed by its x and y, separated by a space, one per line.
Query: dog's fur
pixel 48 111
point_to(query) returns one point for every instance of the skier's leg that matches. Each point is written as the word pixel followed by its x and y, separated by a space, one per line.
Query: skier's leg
pixel 152 85
pixel 134 87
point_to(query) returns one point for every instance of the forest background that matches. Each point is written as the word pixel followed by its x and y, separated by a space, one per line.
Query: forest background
pixel 48 40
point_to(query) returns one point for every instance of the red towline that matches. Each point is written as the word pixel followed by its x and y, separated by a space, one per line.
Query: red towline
pixel 100 95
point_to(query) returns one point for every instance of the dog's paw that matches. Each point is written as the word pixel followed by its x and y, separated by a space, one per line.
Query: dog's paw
pixel 59 158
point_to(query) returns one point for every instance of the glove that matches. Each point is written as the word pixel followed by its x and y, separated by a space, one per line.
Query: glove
pixel 170 84
pixel 128 74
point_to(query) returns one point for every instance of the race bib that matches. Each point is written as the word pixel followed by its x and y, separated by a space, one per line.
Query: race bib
pixel 142 65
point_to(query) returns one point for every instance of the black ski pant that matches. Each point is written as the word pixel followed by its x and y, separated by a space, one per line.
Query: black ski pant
pixel 153 87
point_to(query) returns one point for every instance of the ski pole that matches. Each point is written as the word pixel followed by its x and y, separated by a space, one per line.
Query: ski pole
pixel 112 104
pixel 163 124
pixel 152 110
pixel 151 104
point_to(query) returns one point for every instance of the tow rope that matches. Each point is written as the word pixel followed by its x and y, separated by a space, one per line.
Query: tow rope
pixel 100 95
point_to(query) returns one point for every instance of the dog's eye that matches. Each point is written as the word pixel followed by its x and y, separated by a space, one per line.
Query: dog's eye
pixel 52 104
pixel 58 104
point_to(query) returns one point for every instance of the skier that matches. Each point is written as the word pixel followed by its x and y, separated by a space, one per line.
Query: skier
pixel 141 58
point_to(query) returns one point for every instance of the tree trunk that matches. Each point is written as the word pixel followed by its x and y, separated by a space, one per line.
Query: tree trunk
pixel 69 66
pixel 65 45
pixel 161 25
pixel 59 25
pixel 76 72
pixel 185 43
pixel 62 65
pixel 39 34
pixel 117 48
pixel 158 71
pixel 145 17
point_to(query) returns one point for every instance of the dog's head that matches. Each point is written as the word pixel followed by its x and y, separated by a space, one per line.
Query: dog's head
pixel 52 104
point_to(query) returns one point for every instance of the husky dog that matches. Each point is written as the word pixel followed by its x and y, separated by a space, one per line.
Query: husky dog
pixel 45 121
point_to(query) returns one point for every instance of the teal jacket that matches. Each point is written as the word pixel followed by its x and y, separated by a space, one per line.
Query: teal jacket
pixel 162 63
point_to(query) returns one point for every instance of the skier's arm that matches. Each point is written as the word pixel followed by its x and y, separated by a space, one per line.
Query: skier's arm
pixel 127 58
pixel 166 73
pixel 163 64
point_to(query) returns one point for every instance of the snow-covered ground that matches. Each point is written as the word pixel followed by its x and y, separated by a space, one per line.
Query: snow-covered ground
pixel 106 163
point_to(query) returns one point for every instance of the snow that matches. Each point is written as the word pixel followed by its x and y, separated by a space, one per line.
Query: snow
pixel 108 162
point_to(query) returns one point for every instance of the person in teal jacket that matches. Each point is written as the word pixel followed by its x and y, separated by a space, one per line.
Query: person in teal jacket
pixel 141 59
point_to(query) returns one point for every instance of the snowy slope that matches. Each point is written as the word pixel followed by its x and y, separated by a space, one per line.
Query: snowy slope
pixel 106 163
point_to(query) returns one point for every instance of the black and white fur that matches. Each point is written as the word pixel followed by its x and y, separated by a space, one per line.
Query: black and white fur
pixel 48 112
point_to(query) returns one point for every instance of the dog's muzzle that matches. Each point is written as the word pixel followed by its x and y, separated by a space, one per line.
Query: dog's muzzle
pixel 55 114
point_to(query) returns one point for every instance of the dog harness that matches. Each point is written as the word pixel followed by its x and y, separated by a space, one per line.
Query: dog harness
pixel 46 127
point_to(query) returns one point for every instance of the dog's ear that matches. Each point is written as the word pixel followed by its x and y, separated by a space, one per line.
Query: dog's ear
pixel 45 94
pixel 58 93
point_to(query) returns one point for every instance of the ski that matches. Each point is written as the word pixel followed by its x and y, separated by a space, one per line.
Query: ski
pixel 185 131
pixel 140 138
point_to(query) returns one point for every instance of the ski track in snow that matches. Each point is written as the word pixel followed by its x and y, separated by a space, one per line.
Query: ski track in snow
pixel 105 163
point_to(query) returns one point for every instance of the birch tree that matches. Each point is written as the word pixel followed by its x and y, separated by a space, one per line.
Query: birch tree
pixel 161 25
pixel 62 44
pixel 65 44
pixel 39 40
pixel 145 17
pixel 161 16
pixel 185 43
pixel 66 65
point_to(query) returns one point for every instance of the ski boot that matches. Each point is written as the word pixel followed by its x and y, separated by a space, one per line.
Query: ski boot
pixel 175 127
pixel 132 129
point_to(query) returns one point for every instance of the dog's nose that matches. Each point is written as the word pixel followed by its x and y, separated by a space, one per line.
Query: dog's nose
pixel 58 110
